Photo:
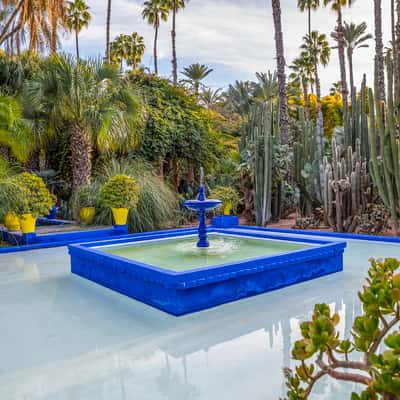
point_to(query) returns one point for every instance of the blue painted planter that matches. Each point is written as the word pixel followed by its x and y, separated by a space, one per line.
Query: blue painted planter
pixel 180 293
pixel 225 221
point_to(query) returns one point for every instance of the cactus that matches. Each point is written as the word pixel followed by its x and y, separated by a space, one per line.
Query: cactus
pixel 307 166
pixel 261 136
pixel 384 144
pixel 356 121
pixel 347 188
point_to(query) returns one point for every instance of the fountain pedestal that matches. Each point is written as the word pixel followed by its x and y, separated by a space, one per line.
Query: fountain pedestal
pixel 201 205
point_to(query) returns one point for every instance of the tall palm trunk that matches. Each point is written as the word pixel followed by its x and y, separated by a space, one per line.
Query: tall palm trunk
pixel 351 70
pixel 380 60
pixel 173 36
pixel 280 59
pixel 309 21
pixel 342 61
pixel 108 22
pixel 81 155
pixel 54 35
pixel 77 44
pixel 155 48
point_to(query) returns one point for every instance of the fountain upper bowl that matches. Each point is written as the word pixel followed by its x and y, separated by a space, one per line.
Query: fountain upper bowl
pixel 202 205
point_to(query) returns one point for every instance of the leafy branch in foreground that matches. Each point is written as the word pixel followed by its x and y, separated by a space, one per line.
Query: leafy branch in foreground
pixel 321 352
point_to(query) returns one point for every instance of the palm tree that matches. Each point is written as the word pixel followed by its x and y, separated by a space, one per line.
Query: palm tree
pixel 175 6
pixel 120 50
pixel 280 60
pixel 317 47
pixel 93 101
pixel 209 98
pixel 15 131
pixel 337 6
pixel 308 5
pixel 108 23
pixel 129 48
pixel 154 12
pixel 267 87
pixel 303 72
pixel 195 74
pixel 380 60
pixel 239 100
pixel 136 50
pixel 354 37
pixel 78 18
pixel 335 88
pixel 39 20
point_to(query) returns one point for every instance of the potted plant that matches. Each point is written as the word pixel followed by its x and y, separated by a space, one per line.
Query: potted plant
pixel 35 201
pixel 120 193
pixel 230 200
pixel 85 199
pixel 10 196
pixel 229 197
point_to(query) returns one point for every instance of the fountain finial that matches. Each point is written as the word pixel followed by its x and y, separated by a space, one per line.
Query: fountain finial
pixel 201 176
pixel 202 195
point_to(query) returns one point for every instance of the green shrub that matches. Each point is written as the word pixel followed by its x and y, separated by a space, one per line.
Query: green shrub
pixel 121 191
pixel 36 198
pixel 157 205
pixel 85 196
pixel 226 194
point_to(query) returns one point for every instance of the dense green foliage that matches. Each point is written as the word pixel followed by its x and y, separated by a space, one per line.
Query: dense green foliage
pixel 228 195
pixel 121 191
pixel 34 197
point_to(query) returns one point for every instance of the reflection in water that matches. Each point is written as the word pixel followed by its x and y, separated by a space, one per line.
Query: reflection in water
pixel 66 338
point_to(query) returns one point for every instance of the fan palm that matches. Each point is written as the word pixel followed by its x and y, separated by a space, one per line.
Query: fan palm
pixel 266 87
pixel 15 131
pixel 337 6
pixel 195 74
pixel 281 63
pixel 308 5
pixel 78 18
pixel 155 11
pixel 303 69
pixel 354 37
pixel 175 6
pixel 93 101
pixel 239 100
pixel 41 19
pixel 209 97
pixel 129 48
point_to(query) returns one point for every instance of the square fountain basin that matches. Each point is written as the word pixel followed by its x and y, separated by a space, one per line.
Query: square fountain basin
pixel 168 272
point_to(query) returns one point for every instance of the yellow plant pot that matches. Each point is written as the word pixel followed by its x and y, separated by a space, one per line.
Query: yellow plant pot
pixel 227 208
pixel 87 214
pixel 28 223
pixel 120 215
pixel 11 221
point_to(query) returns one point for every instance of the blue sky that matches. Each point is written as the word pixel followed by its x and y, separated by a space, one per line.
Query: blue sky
pixel 234 37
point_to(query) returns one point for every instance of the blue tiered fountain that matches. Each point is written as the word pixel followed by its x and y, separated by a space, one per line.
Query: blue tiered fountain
pixel 201 205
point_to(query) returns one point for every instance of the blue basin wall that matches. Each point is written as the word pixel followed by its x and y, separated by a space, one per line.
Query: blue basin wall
pixel 181 293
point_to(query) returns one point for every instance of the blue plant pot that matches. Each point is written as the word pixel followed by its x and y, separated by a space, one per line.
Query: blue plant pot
pixel 53 213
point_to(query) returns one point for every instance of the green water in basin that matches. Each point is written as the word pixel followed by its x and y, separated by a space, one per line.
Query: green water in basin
pixel 182 254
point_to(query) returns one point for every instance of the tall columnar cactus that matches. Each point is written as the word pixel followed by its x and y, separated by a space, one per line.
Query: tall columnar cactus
pixel 347 188
pixel 356 121
pixel 261 132
pixel 384 144
pixel 307 166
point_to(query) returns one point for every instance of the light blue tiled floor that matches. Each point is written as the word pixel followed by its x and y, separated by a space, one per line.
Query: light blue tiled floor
pixel 62 337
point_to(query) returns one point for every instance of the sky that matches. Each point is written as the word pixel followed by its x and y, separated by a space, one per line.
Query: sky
pixel 234 37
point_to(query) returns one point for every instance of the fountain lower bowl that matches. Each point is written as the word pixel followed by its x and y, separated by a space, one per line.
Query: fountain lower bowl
pixel 205 284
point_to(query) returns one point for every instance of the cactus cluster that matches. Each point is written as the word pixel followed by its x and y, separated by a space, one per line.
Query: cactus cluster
pixel 347 188
pixel 307 165
pixel 261 132
pixel 384 145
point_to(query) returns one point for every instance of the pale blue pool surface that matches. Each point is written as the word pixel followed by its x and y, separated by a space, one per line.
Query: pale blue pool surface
pixel 65 338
